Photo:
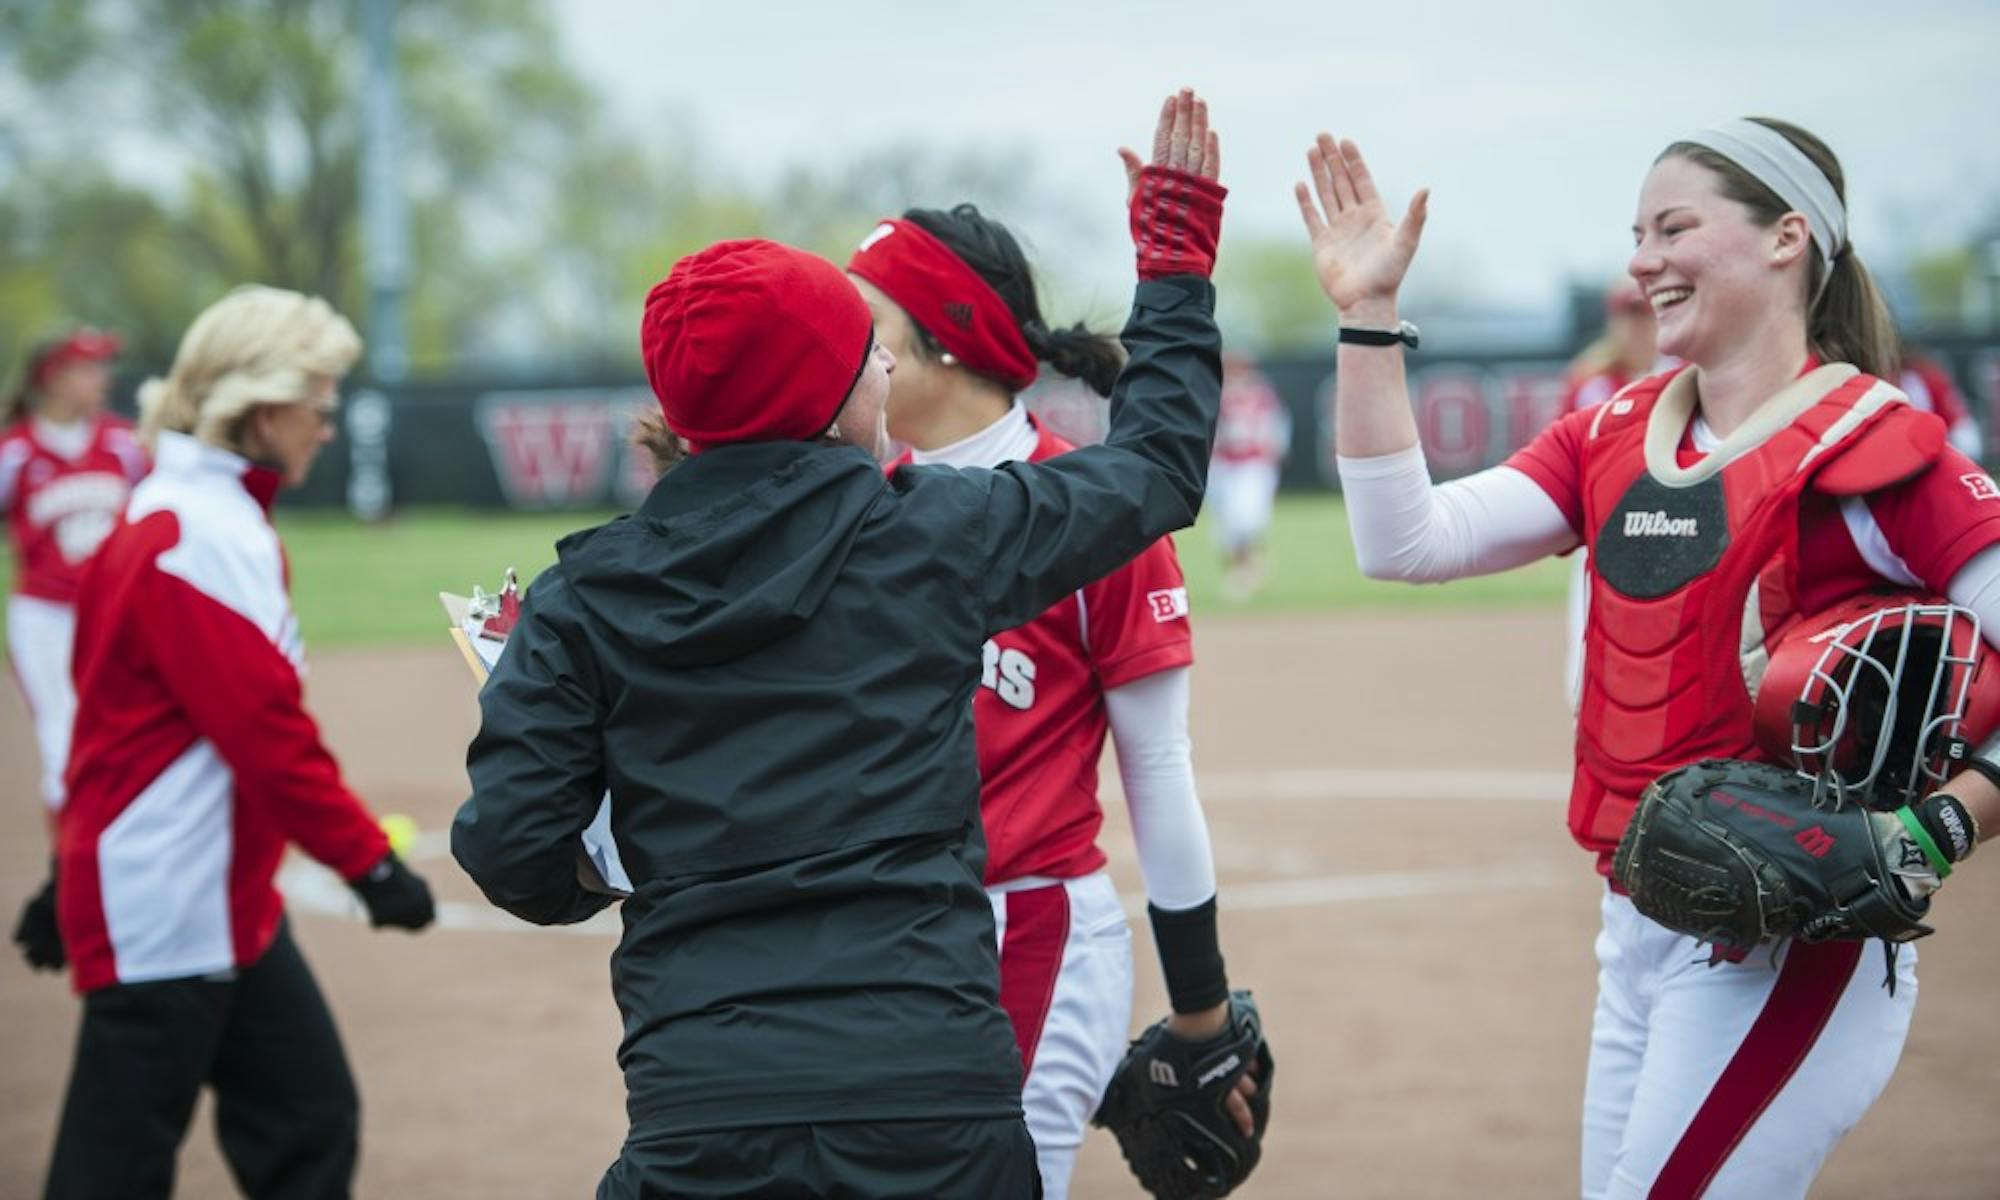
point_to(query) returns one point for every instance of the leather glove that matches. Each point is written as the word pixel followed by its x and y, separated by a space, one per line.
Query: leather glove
pixel 37 934
pixel 394 895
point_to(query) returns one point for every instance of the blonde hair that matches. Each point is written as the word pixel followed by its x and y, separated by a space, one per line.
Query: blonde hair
pixel 257 345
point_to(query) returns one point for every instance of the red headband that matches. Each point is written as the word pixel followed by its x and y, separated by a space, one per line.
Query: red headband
pixel 947 298
pixel 84 345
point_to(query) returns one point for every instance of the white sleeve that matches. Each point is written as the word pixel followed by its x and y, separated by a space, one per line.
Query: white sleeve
pixel 1149 731
pixel 1977 587
pixel 1405 528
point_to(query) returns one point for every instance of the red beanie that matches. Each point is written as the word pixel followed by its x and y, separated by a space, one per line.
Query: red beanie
pixel 751 341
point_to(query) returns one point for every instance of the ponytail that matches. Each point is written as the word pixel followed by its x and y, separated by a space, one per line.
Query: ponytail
pixel 990 250
pixel 17 401
pixel 663 445
pixel 13 406
pixel 1078 352
pixel 1852 322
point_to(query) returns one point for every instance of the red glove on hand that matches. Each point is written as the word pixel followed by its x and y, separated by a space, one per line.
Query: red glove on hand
pixel 1176 222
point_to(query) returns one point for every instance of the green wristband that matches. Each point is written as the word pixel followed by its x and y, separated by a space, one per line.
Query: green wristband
pixel 1922 838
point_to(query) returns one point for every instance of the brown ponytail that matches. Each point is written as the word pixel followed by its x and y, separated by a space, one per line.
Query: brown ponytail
pixel 650 433
pixel 1850 323
pixel 19 399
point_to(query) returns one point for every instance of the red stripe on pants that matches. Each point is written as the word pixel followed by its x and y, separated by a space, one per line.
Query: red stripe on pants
pixel 1810 984
pixel 1030 959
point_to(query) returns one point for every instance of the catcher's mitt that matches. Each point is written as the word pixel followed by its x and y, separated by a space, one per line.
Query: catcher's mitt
pixel 1738 854
pixel 1165 1104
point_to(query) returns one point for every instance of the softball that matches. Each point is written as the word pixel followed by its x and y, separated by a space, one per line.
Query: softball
pixel 402 831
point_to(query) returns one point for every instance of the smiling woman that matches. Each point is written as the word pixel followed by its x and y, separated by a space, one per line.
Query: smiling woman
pixel 1723 503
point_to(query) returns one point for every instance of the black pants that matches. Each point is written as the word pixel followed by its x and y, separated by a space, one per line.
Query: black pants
pixel 881 1160
pixel 286 1111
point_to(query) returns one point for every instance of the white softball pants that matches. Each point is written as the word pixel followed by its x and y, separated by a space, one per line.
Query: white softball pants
pixel 1066 983
pixel 1731 1082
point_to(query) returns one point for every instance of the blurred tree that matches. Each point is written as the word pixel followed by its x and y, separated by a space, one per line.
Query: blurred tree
pixel 154 153
pixel 1267 297
pixel 241 116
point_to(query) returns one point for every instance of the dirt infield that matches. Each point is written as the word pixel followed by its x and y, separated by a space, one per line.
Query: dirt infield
pixel 1397 887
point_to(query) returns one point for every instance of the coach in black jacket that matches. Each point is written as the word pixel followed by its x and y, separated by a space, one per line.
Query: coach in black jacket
pixel 771 668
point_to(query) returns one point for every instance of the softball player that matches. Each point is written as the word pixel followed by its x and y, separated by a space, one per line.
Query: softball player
pixel 194 765
pixel 66 468
pixel 1114 654
pixel 1766 479
pixel 1251 439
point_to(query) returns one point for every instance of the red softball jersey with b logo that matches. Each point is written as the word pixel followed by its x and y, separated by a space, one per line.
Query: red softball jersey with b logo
pixel 1040 706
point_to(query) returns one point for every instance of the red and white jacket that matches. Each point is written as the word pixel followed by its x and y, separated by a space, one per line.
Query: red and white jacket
pixel 194 761
pixel 61 501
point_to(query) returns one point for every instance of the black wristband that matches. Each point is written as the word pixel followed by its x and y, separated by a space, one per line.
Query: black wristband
pixel 1949 823
pixel 1190 956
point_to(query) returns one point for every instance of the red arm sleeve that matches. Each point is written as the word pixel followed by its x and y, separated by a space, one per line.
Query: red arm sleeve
pixel 244 695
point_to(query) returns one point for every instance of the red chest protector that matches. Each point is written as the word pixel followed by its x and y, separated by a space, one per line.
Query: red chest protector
pixel 1693 571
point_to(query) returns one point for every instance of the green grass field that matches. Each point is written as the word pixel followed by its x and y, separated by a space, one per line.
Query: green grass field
pixel 363 585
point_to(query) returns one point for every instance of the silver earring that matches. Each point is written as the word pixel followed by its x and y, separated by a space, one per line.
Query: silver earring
pixel 948 359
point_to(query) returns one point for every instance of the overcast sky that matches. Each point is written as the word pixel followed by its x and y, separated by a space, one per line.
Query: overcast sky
pixel 1532 123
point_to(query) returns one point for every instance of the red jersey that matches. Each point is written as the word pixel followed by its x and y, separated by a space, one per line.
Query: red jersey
pixel 194 760
pixel 1253 425
pixel 61 505
pixel 1851 491
pixel 1039 712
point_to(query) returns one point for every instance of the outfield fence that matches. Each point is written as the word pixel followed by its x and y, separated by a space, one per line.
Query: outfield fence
pixel 564 443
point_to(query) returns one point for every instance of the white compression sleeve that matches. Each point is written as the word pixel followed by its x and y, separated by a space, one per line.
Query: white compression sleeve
pixel 1149 732
pixel 1405 528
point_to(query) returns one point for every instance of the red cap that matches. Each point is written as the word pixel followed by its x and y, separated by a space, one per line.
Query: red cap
pixel 751 341
pixel 82 345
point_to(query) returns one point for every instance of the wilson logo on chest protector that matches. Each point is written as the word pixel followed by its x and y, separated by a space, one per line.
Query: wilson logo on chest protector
pixel 1659 524
pixel 1658 539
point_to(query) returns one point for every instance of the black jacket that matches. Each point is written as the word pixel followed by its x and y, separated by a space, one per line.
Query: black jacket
pixel 771 666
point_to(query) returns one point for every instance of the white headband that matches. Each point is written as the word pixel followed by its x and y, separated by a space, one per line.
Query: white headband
pixel 1776 163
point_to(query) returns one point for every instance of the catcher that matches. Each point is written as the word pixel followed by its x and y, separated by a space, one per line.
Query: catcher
pixel 1772 478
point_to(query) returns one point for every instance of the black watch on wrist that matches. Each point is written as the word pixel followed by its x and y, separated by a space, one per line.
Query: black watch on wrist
pixel 1404 334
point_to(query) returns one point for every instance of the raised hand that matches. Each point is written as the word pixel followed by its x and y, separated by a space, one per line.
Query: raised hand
pixel 1359 254
pixel 1175 201
pixel 1182 141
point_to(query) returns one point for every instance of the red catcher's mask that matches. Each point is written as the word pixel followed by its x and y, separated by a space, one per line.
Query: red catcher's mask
pixel 1879 695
